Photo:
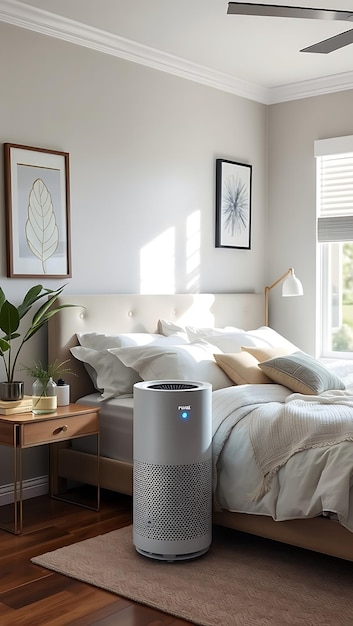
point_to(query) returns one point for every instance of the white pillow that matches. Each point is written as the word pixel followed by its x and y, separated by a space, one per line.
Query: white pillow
pixel 170 328
pixel 229 342
pixel 260 337
pixel 101 341
pixel 266 336
pixel 189 362
pixel 109 375
pixel 194 333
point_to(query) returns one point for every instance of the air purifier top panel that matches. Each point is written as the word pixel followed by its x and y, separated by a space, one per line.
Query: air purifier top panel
pixel 172 385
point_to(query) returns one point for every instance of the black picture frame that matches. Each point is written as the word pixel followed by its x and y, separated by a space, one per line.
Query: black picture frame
pixel 233 204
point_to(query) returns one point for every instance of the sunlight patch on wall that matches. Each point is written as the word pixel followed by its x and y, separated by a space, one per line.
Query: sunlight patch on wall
pixel 157 264
pixel 193 244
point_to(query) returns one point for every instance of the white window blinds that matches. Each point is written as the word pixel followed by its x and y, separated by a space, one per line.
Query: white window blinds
pixel 334 162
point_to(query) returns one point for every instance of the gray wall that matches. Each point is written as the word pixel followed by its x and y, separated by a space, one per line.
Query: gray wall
pixel 142 150
pixel 291 229
pixel 142 146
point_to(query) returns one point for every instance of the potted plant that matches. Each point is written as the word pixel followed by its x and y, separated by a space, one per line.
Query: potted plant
pixel 44 393
pixel 12 341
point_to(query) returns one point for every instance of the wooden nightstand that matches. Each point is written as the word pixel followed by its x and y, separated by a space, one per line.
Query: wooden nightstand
pixel 25 430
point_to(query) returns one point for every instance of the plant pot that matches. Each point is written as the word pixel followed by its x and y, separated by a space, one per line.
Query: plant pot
pixel 11 391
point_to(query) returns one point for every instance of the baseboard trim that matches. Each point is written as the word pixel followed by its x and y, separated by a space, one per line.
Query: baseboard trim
pixel 31 488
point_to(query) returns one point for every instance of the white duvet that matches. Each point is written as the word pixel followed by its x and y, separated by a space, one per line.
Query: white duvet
pixel 315 481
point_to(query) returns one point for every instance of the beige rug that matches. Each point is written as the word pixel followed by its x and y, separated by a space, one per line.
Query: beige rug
pixel 241 581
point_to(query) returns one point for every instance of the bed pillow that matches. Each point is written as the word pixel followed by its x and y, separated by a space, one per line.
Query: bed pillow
pixel 228 341
pixel 170 328
pixel 101 341
pixel 109 376
pixel 264 336
pixel 264 353
pixel 301 373
pixel 195 333
pixel 188 362
pixel 242 368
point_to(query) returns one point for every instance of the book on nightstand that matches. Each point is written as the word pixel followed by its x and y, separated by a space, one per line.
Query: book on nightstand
pixel 16 406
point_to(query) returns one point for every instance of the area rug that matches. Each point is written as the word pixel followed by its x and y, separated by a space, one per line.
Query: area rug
pixel 240 581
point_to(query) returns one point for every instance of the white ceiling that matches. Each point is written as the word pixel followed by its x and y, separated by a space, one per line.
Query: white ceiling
pixel 257 57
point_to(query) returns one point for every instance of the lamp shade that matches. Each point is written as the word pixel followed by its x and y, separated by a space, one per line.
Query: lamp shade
pixel 292 286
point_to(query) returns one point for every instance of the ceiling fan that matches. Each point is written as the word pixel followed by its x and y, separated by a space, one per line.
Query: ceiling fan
pixel 274 10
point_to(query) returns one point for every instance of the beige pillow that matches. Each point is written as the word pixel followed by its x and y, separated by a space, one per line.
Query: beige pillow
pixel 242 368
pixel 301 373
pixel 265 353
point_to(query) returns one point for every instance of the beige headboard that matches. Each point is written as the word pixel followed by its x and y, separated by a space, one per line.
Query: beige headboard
pixel 128 313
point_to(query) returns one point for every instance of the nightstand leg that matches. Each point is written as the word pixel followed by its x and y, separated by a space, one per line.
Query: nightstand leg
pixel 13 515
pixel 17 483
pixel 57 484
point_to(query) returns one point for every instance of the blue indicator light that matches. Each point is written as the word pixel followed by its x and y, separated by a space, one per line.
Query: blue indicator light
pixel 185 415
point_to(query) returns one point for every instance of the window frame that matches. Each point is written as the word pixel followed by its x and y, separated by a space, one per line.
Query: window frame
pixel 322 148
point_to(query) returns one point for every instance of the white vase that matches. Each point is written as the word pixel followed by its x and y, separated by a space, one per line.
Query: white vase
pixel 44 398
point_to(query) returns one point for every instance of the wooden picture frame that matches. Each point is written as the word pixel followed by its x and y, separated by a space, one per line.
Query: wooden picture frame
pixel 37 206
pixel 233 204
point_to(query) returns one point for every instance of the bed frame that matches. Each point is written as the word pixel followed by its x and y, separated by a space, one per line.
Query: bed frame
pixel 114 313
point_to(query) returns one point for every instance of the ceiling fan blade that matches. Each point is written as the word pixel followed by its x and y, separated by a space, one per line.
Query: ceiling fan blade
pixel 274 10
pixel 331 44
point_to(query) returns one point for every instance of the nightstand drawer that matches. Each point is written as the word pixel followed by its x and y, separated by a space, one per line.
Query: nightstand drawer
pixel 58 429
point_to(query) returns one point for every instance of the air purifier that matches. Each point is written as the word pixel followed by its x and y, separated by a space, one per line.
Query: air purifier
pixel 172 469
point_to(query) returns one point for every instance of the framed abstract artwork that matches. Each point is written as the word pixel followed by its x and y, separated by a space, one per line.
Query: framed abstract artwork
pixel 37 206
pixel 233 204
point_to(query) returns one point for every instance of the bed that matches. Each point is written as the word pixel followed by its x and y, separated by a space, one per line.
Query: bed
pixel 215 320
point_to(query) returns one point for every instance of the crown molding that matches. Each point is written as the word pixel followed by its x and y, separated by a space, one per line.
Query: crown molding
pixel 46 23
pixel 310 88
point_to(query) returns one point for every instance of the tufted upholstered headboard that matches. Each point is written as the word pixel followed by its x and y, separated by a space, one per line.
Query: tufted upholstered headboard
pixel 130 313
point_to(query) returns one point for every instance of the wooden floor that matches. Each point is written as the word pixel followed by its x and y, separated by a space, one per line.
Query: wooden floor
pixel 31 596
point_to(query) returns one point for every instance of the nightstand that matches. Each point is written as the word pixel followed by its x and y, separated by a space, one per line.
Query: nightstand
pixel 25 430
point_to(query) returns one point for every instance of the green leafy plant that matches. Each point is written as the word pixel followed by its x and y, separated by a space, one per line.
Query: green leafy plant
pixel 11 316
pixel 52 370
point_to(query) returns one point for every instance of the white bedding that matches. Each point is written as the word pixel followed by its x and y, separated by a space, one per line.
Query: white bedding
pixel 313 482
pixel 115 428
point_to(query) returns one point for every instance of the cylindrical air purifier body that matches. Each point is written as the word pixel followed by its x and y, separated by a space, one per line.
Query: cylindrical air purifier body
pixel 172 469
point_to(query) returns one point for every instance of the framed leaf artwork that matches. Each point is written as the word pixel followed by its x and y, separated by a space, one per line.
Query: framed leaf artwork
pixel 233 204
pixel 37 205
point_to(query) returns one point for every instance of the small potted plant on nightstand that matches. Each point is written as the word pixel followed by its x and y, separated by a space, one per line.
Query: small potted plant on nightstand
pixel 11 342
pixel 44 396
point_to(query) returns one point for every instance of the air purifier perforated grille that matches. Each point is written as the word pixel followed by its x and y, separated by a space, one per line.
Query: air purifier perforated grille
pixel 172 502
pixel 172 386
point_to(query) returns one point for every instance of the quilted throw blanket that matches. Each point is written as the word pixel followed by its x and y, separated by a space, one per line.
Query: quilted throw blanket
pixel 302 422
pixel 280 424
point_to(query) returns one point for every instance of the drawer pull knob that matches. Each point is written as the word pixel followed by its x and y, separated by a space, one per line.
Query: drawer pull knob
pixel 64 428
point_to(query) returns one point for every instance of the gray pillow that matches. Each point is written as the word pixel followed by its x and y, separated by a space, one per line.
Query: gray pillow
pixel 301 373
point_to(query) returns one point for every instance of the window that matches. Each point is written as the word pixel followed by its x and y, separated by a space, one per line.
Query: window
pixel 334 160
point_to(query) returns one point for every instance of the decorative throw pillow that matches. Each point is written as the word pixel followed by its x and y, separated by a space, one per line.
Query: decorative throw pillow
pixel 264 353
pixel 301 373
pixel 188 362
pixel 242 368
